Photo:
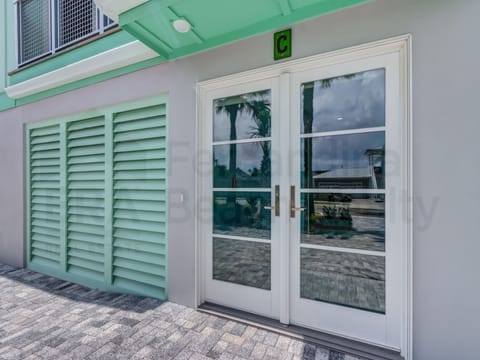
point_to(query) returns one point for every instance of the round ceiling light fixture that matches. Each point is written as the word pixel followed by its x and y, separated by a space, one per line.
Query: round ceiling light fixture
pixel 182 25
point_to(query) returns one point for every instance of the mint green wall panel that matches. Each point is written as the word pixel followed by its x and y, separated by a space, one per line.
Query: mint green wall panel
pixel 44 150
pixel 139 200
pixel 97 195
pixel 86 198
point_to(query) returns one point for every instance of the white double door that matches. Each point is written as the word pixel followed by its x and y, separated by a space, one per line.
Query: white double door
pixel 299 220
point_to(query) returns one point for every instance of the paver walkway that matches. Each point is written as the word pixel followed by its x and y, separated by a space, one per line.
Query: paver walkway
pixel 45 318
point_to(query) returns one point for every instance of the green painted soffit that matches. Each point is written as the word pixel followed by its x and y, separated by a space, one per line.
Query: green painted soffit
pixel 68 57
pixel 217 22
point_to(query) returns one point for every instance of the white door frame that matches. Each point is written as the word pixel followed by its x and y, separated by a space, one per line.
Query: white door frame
pixel 401 46
pixel 259 301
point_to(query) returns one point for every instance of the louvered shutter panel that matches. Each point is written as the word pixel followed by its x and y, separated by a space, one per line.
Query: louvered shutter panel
pixel 86 198
pixel 98 200
pixel 45 195
pixel 139 200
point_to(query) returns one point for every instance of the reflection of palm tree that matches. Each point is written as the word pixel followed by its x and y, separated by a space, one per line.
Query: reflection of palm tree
pixel 246 104
pixel 308 147
pixel 232 106
pixel 262 117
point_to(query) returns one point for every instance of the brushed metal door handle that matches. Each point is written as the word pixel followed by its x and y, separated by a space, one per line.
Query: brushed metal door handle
pixel 293 208
pixel 275 207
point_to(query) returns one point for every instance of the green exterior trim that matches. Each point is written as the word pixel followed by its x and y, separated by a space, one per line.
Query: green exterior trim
pixel 93 48
pixel 66 149
pixel 6 102
pixel 7 52
pixel 151 22
pixel 3 46
pixel 89 81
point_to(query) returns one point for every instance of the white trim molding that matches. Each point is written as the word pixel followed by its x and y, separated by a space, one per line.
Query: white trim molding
pixel 109 60
pixel 113 8
pixel 400 46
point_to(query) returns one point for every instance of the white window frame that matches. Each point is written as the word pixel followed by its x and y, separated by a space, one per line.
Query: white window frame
pixel 402 46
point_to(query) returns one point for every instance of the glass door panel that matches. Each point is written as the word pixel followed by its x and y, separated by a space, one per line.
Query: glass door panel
pixel 339 236
pixel 327 153
pixel 239 266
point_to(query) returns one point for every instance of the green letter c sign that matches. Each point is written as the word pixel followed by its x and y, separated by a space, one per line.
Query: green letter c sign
pixel 282 44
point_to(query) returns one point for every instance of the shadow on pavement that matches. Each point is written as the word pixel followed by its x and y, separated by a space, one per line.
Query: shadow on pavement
pixel 77 292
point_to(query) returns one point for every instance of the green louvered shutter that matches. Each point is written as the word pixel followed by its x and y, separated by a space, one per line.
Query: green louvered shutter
pixel 44 150
pixel 86 198
pixel 139 200
pixel 98 199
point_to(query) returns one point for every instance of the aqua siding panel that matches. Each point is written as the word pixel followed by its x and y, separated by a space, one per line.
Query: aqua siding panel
pixel 86 198
pixel 139 200
pixel 44 150
pixel 97 195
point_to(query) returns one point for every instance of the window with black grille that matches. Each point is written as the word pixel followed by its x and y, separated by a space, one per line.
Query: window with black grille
pixel 34 29
pixel 46 26
pixel 77 19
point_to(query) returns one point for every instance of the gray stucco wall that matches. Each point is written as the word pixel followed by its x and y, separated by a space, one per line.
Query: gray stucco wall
pixel 446 161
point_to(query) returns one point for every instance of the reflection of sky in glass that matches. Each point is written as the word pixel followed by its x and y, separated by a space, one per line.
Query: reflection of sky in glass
pixel 249 156
pixel 245 123
pixel 349 103
pixel 345 151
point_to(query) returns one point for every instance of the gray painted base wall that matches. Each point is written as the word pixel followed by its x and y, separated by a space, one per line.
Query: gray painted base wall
pixel 446 162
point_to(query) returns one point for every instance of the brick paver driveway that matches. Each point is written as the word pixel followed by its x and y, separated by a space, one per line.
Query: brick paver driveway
pixel 45 318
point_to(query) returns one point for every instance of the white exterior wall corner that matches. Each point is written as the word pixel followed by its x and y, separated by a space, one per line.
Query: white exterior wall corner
pixel 446 165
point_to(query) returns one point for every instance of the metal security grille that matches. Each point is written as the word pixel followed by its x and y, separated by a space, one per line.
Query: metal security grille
pixel 46 26
pixel 77 19
pixel 34 29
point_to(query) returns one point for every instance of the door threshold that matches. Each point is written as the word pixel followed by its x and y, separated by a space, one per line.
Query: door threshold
pixel 329 341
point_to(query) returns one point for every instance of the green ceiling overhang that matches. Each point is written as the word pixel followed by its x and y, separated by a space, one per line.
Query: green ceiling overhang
pixel 217 22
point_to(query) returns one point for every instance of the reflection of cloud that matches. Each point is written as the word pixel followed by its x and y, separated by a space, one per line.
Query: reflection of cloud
pixel 359 101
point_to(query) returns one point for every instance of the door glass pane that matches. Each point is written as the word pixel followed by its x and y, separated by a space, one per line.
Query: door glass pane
pixel 242 214
pixel 242 165
pixel 241 159
pixel 344 161
pixel 355 221
pixel 244 116
pixel 354 280
pixel 242 262
pixel 351 101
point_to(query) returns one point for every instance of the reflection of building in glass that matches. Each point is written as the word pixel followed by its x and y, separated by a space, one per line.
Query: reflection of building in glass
pixel 369 177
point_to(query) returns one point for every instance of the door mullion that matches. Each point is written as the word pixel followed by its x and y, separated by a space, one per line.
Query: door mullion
pixel 284 166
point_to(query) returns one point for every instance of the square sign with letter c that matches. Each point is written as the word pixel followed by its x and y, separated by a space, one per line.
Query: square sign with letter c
pixel 282 44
